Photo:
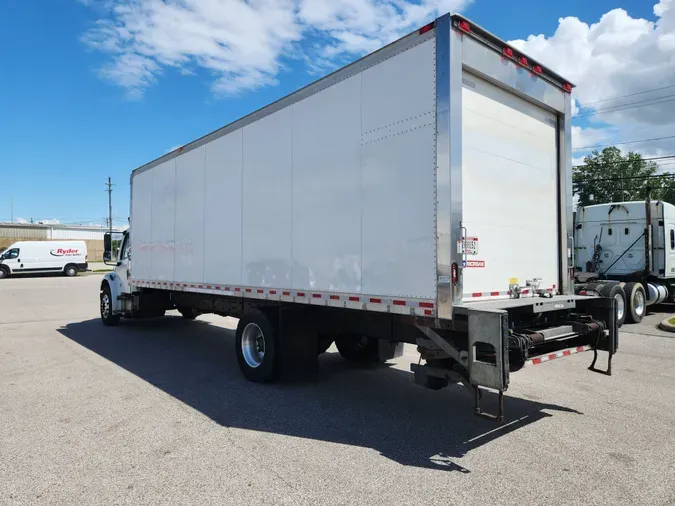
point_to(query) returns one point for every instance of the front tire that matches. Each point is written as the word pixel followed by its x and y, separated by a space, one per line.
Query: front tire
pixel 616 292
pixel 636 298
pixel 358 349
pixel 4 273
pixel 107 316
pixel 188 313
pixel 256 347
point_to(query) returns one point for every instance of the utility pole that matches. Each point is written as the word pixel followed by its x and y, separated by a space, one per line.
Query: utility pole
pixel 109 186
pixel 11 220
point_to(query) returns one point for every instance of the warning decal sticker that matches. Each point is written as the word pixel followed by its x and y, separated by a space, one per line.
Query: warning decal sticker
pixel 468 246
pixel 479 264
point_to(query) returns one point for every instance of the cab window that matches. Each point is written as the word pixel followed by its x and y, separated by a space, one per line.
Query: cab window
pixel 126 253
pixel 11 254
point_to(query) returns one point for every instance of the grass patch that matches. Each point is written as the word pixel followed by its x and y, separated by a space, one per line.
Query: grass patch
pixel 671 320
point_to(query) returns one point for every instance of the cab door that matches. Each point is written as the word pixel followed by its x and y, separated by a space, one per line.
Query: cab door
pixel 12 259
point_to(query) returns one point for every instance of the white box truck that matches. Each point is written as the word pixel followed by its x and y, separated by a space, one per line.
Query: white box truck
pixel 42 257
pixel 626 250
pixel 419 195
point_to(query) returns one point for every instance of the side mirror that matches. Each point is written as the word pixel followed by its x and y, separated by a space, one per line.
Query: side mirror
pixel 107 247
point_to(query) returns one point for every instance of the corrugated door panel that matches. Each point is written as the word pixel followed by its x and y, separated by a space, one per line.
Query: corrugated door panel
pixel 509 152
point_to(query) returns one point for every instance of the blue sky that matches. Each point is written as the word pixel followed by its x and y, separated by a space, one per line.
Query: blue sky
pixel 78 103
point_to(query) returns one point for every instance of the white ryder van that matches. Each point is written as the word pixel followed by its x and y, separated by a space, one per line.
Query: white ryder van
pixel 39 257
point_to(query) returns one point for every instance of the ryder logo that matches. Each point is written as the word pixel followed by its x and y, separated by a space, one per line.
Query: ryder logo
pixel 61 252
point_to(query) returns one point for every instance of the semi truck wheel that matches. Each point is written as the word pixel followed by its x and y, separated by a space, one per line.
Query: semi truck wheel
pixel 615 292
pixel 107 316
pixel 359 349
pixel 636 298
pixel 256 347
pixel 188 313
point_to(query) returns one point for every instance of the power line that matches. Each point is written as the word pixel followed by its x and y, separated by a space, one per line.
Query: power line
pixel 629 95
pixel 626 142
pixel 624 178
pixel 629 161
pixel 621 108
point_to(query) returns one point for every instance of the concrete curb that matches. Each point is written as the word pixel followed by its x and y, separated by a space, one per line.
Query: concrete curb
pixel 666 325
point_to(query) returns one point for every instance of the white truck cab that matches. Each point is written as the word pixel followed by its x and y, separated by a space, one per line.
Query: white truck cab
pixel 41 257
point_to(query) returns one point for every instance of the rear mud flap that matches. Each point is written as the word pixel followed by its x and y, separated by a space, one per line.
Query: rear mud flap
pixel 603 309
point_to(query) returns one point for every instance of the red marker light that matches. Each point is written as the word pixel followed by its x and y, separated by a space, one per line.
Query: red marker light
pixel 427 28
pixel 454 273
pixel 568 87
pixel 522 60
pixel 464 26
pixel 508 52
pixel 537 69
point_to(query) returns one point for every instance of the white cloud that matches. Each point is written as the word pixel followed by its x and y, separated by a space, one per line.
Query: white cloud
pixel 49 222
pixel 20 220
pixel 242 43
pixel 614 57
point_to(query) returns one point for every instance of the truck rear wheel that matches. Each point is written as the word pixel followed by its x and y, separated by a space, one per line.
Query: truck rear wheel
pixel 188 313
pixel 636 298
pixel 70 271
pixel 359 349
pixel 256 347
pixel 107 316
pixel 615 292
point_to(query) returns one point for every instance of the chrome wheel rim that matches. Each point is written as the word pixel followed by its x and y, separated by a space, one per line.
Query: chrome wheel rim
pixel 105 306
pixel 639 303
pixel 253 345
pixel 620 306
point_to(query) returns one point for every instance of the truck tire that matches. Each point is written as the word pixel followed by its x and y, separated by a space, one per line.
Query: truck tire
pixel 107 316
pixel 256 347
pixel 636 298
pixel 188 313
pixel 4 272
pixel 358 349
pixel 614 291
pixel 70 271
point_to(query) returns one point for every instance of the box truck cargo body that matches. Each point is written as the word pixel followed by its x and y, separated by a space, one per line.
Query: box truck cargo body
pixel 629 245
pixel 421 194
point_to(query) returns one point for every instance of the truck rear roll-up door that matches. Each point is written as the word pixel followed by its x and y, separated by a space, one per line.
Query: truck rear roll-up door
pixel 509 190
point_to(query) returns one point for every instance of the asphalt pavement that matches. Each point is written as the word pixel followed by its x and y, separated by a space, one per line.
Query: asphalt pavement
pixel 157 412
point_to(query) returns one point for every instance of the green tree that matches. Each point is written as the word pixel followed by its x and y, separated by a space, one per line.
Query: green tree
pixel 609 176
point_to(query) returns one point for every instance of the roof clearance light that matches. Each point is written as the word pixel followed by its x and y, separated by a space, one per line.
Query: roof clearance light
pixel 522 60
pixel 464 26
pixel 508 52
pixel 537 69
pixel 427 28
pixel 568 87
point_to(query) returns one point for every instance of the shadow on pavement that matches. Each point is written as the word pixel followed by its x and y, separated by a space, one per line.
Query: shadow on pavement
pixel 376 407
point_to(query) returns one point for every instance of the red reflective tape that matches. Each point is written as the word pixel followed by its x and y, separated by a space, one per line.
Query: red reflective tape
pixel 536 361
pixel 399 303
pixel 288 294
pixel 248 290
pixel 567 353
pixel 354 299
pixel 494 294
pixel 581 348
pixel 208 287
pixel 526 292
pixel 237 289
pixel 260 291
pixel 376 301
pixel 273 292
pixel 316 295
pixel 185 285
pixel 427 304
pixel 552 356
pixel 201 286
pixel 428 312
pixel 334 297
pixel 477 294
pixel 553 286
pixel 300 294
pixel 549 290
pixel 193 286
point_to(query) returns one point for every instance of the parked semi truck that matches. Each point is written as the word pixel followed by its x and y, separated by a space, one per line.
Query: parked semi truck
pixel 420 195
pixel 626 250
